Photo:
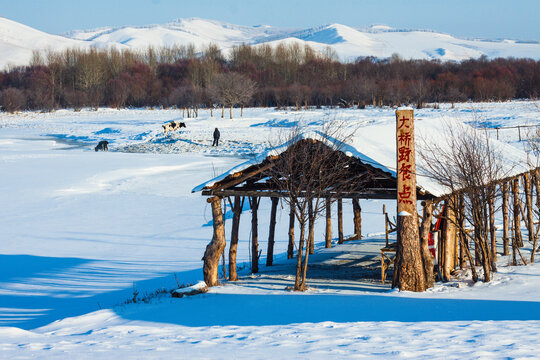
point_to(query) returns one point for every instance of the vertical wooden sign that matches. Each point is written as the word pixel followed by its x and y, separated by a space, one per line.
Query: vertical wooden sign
pixel 409 273
pixel 406 162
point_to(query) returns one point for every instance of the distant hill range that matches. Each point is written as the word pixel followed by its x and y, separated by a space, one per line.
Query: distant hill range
pixel 18 41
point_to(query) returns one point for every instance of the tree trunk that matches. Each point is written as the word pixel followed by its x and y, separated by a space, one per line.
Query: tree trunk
pixel 222 111
pixel 254 236
pixel 237 211
pixel 357 218
pixel 340 220
pixel 427 258
pixel 517 208
pixel 297 280
pixel 527 182
pixel 493 239
pixel 328 237
pixel 230 112
pixel 448 239
pixel 290 248
pixel 242 111
pixel 271 231
pixel 311 228
pixel 408 267
pixel 505 203
pixel 537 186
pixel 463 240
pixel 215 248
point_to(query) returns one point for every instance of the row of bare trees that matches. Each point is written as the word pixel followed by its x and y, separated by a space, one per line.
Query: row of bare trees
pixel 285 75
pixel 473 169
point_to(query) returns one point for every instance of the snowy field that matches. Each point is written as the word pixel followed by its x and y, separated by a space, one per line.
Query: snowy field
pixel 83 233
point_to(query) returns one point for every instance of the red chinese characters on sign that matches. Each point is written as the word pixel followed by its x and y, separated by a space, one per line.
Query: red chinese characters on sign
pixel 406 167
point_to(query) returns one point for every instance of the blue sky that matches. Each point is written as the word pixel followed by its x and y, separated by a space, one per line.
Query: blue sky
pixel 518 19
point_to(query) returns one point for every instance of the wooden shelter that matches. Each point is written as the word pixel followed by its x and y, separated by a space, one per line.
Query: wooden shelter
pixel 369 157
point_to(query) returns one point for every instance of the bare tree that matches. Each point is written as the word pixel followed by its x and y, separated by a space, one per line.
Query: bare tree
pixel 12 99
pixel 310 171
pixel 232 89
pixel 467 163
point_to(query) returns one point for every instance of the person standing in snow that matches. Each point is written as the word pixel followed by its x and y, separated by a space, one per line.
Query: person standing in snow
pixel 216 137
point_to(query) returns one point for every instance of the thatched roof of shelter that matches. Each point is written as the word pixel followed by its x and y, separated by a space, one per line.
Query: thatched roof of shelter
pixel 374 146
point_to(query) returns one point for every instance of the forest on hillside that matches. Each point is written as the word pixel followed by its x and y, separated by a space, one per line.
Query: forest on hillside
pixel 261 75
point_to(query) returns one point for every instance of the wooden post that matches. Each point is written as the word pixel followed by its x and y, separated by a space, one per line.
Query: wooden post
pixel 254 235
pixel 427 258
pixel 505 189
pixel 491 205
pixel 537 186
pixel 215 248
pixel 448 240
pixel 408 273
pixel 357 218
pixel 527 184
pixel 463 240
pixel 340 220
pixel 290 248
pixel 517 209
pixel 237 211
pixel 271 232
pixel 328 237
pixel 311 222
pixel 385 223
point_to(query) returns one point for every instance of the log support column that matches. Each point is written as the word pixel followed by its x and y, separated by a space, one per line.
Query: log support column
pixel 505 189
pixel 237 211
pixel 311 228
pixel 340 220
pixel 516 240
pixel 216 246
pixel 328 236
pixel 271 232
pixel 527 184
pixel 290 248
pixel 357 210
pixel 254 202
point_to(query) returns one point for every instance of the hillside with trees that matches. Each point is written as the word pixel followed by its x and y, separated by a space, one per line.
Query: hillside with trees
pixel 261 75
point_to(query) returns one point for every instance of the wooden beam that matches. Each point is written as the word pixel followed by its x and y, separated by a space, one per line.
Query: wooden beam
pixel 242 176
pixel 283 194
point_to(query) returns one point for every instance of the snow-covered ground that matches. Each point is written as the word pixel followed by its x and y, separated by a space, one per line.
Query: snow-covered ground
pixel 83 232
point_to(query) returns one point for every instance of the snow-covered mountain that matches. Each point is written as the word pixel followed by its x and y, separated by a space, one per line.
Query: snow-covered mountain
pixel 17 41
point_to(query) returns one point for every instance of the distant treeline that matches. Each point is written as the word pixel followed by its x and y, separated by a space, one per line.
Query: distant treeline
pixel 286 75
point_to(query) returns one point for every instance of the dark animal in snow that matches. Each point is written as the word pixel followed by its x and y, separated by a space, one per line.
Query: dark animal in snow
pixel 102 146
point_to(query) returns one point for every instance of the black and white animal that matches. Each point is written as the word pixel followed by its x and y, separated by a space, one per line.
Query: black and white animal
pixel 173 126
pixel 102 146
